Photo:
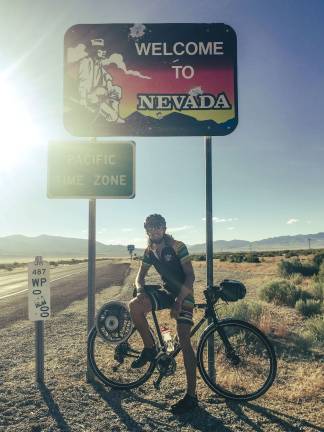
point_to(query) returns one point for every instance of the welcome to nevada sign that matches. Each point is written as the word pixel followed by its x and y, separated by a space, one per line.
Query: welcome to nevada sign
pixel 150 80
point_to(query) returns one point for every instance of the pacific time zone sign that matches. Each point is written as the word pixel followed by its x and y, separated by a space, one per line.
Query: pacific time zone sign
pixel 150 79
pixel 91 170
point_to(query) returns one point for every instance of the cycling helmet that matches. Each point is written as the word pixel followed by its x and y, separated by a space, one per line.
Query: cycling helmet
pixel 154 220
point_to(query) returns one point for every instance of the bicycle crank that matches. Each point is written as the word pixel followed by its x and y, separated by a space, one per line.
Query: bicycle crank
pixel 166 365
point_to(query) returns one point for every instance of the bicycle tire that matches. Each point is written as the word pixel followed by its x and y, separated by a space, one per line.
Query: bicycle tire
pixel 112 372
pixel 244 377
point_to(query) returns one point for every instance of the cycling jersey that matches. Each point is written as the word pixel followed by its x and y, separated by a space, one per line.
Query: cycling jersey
pixel 169 264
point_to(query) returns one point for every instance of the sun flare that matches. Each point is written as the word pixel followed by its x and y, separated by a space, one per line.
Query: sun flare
pixel 18 133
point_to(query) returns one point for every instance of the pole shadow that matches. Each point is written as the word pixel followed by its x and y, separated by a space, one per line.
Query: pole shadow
pixel 53 408
pixel 283 419
pixel 286 422
pixel 114 398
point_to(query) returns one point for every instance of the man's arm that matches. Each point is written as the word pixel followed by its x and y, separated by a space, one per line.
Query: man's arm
pixel 186 289
pixel 140 278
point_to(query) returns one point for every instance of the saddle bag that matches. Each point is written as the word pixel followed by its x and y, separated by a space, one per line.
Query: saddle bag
pixel 232 290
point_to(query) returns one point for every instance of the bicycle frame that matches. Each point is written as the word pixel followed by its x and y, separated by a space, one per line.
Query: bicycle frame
pixel 209 313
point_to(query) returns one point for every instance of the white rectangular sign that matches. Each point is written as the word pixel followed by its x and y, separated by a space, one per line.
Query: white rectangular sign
pixel 39 300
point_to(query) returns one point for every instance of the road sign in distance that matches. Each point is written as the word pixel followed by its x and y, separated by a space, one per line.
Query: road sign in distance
pixel 91 170
pixel 39 299
pixel 150 80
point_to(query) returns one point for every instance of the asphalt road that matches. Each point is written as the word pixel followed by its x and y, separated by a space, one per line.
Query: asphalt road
pixel 68 283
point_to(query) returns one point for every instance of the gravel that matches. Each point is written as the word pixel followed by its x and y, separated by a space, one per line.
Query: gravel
pixel 67 402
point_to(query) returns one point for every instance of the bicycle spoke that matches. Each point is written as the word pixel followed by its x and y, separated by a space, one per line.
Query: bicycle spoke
pixel 112 363
pixel 247 369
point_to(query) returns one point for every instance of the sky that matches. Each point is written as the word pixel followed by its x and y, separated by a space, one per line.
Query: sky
pixel 268 173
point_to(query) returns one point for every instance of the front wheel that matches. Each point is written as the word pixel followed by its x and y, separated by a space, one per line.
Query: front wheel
pixel 244 361
pixel 112 363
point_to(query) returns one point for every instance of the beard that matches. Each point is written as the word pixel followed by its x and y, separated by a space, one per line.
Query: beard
pixel 157 241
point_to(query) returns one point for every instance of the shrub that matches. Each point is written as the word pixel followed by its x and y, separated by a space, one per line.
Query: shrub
pixel 296 279
pixel 318 259
pixel 237 258
pixel 199 257
pixel 244 310
pixel 280 292
pixel 321 272
pixel 318 290
pixel 314 330
pixel 291 254
pixel 287 268
pixel 252 258
pixel 309 307
pixel 222 258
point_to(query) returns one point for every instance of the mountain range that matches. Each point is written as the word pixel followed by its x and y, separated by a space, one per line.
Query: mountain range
pixel 52 246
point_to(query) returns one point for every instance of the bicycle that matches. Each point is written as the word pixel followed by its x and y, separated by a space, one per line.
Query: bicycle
pixel 240 363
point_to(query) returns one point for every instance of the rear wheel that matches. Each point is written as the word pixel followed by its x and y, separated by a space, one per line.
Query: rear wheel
pixel 245 368
pixel 112 363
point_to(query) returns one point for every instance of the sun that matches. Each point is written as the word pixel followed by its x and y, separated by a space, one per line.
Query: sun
pixel 18 132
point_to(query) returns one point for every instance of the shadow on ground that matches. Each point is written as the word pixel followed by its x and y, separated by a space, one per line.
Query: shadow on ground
pixel 200 419
pixel 53 409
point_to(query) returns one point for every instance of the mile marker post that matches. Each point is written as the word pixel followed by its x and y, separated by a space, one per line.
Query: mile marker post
pixel 39 308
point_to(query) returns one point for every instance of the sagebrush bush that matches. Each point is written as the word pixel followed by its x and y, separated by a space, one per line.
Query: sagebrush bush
pixel 321 272
pixel 314 330
pixel 252 258
pixel 296 279
pixel 318 290
pixel 280 292
pixel 291 254
pixel 318 259
pixel 309 307
pixel 237 258
pixel 244 310
pixel 287 268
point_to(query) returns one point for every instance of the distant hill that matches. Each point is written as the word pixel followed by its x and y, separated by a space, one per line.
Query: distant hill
pixel 299 241
pixel 54 246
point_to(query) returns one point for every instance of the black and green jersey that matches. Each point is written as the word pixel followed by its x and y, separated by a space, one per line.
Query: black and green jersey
pixel 169 265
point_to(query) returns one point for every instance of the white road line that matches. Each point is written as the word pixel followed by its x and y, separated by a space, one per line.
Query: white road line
pixel 53 280
pixel 15 293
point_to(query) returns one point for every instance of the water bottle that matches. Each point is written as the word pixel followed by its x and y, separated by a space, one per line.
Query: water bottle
pixel 167 338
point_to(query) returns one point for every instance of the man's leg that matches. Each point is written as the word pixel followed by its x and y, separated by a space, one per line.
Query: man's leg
pixel 189 357
pixel 139 307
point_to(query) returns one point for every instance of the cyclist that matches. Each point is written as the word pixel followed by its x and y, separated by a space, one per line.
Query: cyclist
pixel 171 260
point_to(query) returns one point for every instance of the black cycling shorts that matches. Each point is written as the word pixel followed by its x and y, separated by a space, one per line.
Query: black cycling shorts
pixel 162 299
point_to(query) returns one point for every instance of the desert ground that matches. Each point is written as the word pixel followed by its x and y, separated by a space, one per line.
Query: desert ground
pixel 67 402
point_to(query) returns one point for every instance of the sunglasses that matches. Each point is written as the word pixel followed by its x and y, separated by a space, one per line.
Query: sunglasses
pixel 154 227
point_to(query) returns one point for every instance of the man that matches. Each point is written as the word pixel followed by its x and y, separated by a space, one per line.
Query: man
pixel 96 89
pixel 171 260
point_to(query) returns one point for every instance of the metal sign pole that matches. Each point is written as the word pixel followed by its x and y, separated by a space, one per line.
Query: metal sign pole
pixel 91 273
pixel 209 243
pixel 39 348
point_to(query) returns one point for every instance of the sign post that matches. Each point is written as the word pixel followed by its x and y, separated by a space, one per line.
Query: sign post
pixel 91 170
pixel 209 244
pixel 39 308
pixel 131 249
pixel 91 273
